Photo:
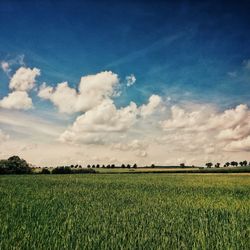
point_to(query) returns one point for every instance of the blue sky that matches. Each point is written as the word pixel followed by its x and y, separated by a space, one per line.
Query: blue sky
pixel 169 45
pixel 183 51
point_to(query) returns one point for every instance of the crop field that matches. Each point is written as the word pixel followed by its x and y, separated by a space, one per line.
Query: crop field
pixel 138 211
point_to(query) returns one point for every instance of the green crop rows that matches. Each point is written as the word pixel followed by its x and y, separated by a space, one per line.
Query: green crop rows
pixel 140 211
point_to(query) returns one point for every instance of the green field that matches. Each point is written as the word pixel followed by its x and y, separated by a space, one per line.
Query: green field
pixel 138 211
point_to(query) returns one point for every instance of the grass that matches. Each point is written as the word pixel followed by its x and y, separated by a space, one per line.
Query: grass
pixel 174 170
pixel 145 211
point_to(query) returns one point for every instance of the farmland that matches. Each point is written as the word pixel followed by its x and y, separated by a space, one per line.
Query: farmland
pixel 138 211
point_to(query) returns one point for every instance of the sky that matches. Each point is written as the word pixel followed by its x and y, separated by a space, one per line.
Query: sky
pixel 87 82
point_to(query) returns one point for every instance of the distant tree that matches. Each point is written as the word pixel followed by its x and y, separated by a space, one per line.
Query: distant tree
pixel 45 171
pixel 72 166
pixel 88 166
pixel 14 165
pixel 123 166
pixel 217 165
pixel 80 166
pixel 108 166
pixel 234 163
pixel 182 165
pixel 245 163
pixel 97 165
pixel 128 166
pixel 135 165
pixel 152 165
pixel 112 166
pixel 209 164
pixel 227 164
pixel 103 166
pixel 93 166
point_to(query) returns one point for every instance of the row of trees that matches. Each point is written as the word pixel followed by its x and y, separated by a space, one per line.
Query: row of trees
pixel 112 166
pixel 228 164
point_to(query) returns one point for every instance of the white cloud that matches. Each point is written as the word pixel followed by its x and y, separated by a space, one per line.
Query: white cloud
pixel 101 122
pixel 204 118
pixel 204 128
pixel 130 146
pixel 16 100
pixel 24 79
pixel 91 92
pixel 151 107
pixel 105 118
pixel 21 82
pixel 240 145
pixel 130 80
pixel 5 67
pixel 183 119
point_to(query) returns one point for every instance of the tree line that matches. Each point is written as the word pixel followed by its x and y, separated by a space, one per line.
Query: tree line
pixel 16 165
pixel 228 164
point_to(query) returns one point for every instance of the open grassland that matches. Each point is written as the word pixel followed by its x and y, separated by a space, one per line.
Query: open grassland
pixel 139 211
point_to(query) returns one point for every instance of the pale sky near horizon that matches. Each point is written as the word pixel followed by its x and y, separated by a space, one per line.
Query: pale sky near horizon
pixel 144 82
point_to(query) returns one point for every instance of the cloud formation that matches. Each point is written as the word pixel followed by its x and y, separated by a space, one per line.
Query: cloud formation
pixel 154 130
pixel 205 127
pixel 107 118
pixel 101 119
pixel 130 80
pixel 153 104
pixel 16 100
pixel 24 79
pixel 21 83
pixel 91 92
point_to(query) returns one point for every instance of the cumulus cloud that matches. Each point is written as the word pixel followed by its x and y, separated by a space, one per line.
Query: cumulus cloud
pixel 24 79
pixel 21 82
pixel 91 92
pixel 101 119
pixel 239 145
pixel 99 124
pixel 205 118
pixel 94 99
pixel 130 80
pixel 150 108
pixel 16 100
pixel 208 129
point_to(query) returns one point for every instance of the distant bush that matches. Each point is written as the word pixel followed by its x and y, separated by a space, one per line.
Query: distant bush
pixel 45 171
pixel 83 171
pixel 14 165
pixel 68 170
pixel 62 170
